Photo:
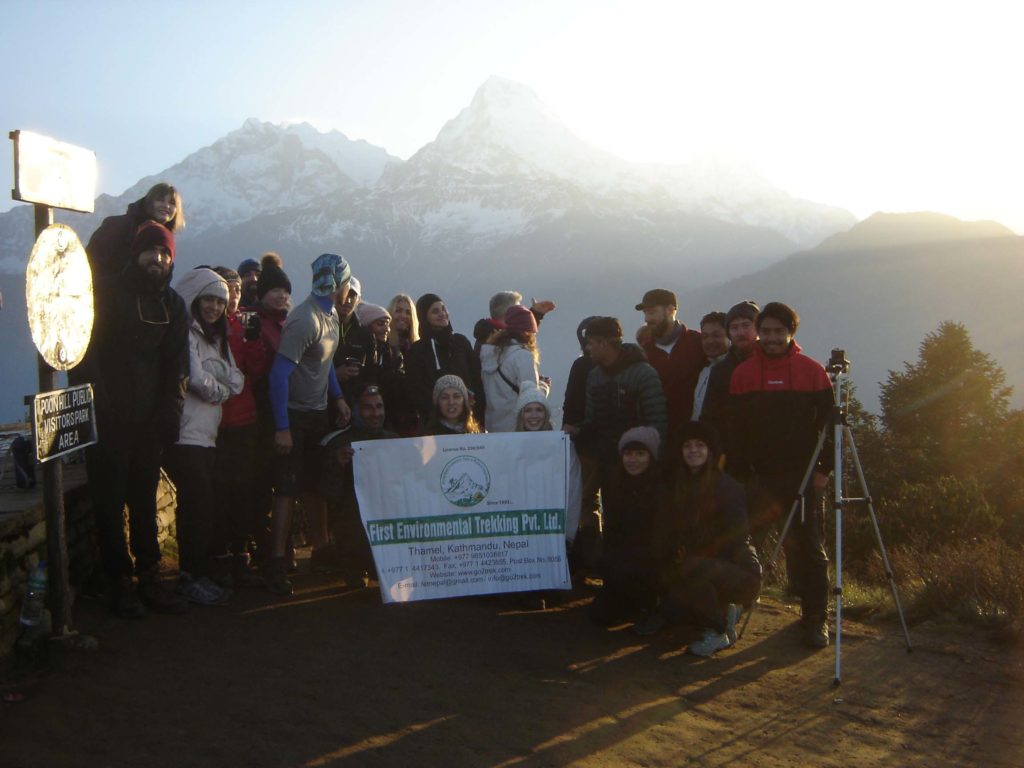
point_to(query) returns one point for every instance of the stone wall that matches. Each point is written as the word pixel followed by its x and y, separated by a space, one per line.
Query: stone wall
pixel 23 542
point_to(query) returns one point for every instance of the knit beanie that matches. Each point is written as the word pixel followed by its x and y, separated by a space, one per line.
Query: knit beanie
pixel 646 437
pixel 450 381
pixel 330 272
pixel 423 303
pixel 530 393
pixel 699 430
pixel 581 330
pixel 370 313
pixel 201 282
pixel 249 265
pixel 745 309
pixel 519 320
pixel 150 234
pixel 271 276
pixel 604 328
pixel 228 274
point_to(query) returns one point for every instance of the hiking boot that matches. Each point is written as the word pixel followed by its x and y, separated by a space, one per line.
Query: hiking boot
pixel 159 597
pixel 202 590
pixel 275 576
pixel 709 642
pixel 244 573
pixel 732 617
pixel 125 603
pixel 815 631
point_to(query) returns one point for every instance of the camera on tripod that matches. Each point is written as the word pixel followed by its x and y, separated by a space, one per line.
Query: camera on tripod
pixel 838 364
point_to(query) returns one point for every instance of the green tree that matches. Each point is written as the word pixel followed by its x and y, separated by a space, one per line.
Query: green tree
pixel 947 413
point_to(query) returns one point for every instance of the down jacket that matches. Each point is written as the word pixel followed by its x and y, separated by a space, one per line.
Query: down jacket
pixel 212 379
pixel 626 394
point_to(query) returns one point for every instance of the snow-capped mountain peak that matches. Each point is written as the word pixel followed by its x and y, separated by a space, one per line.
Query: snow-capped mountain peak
pixel 507 129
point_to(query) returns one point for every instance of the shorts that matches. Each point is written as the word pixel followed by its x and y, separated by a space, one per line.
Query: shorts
pixel 299 470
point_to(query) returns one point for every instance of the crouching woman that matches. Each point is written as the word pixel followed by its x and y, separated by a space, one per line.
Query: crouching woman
pixel 709 567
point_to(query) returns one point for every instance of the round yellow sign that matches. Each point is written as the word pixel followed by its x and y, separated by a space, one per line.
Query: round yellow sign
pixel 58 294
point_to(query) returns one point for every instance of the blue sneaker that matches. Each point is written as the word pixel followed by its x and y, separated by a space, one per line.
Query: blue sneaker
pixel 202 591
pixel 709 642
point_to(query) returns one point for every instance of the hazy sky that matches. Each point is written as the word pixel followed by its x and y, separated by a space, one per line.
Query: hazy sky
pixel 868 105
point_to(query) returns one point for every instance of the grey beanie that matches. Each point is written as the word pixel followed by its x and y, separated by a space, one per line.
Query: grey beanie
pixel 648 437
pixel 450 381
pixel 746 309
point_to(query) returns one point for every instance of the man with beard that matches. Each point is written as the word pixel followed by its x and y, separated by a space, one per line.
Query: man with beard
pixel 352 342
pixel 674 351
pixel 249 272
pixel 739 326
pixel 137 362
pixel 350 542
pixel 715 344
pixel 623 391
pixel 780 400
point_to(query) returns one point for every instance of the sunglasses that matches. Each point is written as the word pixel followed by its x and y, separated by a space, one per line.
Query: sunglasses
pixel 165 320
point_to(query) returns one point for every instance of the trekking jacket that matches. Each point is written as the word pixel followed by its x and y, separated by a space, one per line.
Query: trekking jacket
pixel 716 401
pixel 631 508
pixel 253 360
pixel 435 355
pixel 777 406
pixel 707 523
pixel 503 369
pixel 678 371
pixel 137 360
pixel 625 395
pixel 212 378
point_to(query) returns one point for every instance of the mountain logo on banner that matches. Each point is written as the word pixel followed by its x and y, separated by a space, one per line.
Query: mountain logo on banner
pixel 465 481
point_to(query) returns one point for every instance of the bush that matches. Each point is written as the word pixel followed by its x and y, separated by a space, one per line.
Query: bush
pixel 978 580
pixel 932 515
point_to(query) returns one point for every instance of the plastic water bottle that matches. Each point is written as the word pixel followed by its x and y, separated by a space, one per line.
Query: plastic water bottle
pixel 34 604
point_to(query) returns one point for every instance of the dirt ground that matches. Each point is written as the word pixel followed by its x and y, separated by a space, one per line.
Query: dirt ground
pixel 331 677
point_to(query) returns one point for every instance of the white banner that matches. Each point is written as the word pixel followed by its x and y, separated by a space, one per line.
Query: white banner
pixel 466 514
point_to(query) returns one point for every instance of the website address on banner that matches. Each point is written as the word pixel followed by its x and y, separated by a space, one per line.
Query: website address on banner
pixel 454 581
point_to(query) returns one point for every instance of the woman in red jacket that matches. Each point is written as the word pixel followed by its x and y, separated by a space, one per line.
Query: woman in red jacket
pixel 237 441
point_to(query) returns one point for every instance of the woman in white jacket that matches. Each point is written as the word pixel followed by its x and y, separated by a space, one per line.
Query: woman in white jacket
pixel 507 359
pixel 213 378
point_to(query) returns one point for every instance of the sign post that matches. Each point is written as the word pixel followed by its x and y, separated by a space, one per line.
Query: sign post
pixel 51 174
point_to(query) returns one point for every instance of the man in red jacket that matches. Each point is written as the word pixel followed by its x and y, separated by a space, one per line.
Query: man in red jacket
pixel 675 353
pixel 780 400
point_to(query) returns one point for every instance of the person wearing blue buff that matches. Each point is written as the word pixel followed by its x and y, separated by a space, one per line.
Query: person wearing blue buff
pixel 302 384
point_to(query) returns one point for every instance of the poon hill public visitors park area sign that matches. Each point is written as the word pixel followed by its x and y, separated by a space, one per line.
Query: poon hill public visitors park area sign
pixel 58 291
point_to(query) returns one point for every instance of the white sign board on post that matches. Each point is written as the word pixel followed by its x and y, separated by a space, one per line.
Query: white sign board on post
pixel 53 173
pixel 461 515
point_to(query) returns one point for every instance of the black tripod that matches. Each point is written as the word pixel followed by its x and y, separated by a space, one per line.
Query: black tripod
pixel 839 370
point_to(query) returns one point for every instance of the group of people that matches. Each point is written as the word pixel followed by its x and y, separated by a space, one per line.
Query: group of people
pixel 689 442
